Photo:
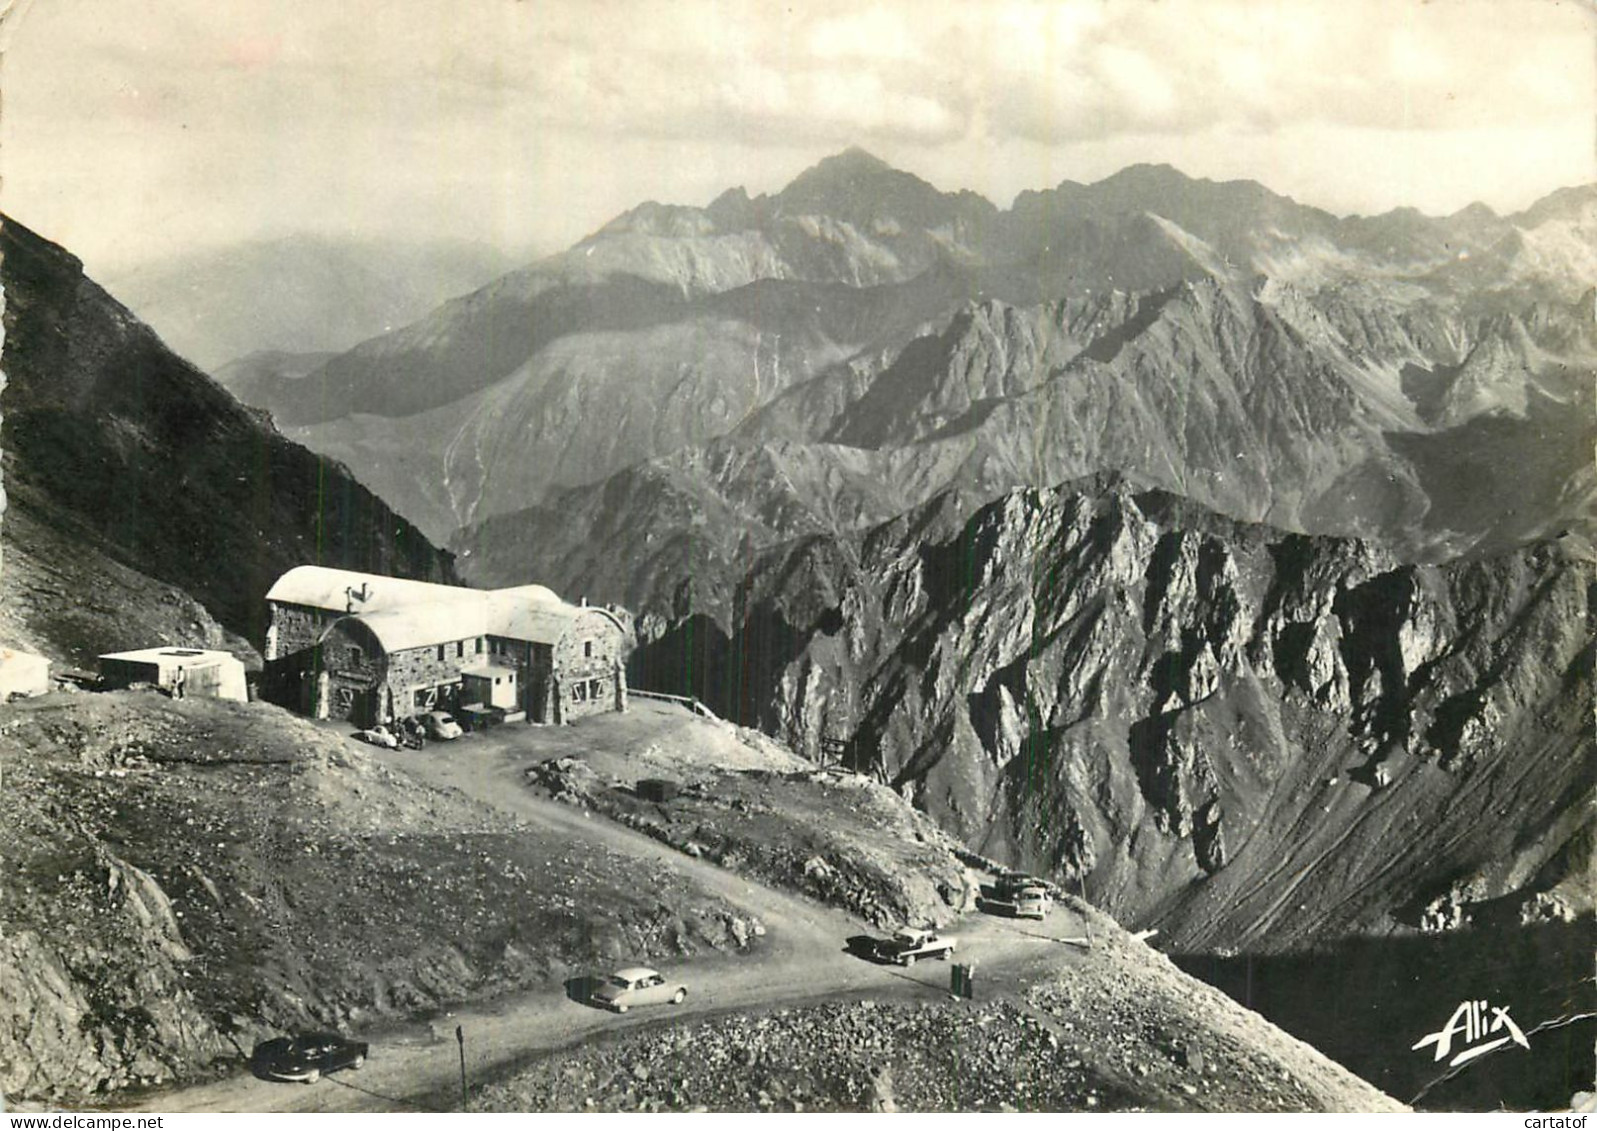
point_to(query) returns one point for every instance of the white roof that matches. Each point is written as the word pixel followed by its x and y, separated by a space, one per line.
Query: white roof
pixel 488 671
pixel 173 655
pixel 530 592
pixel 531 613
pixel 422 625
pixel 415 614
pixel 320 587
pixel 633 973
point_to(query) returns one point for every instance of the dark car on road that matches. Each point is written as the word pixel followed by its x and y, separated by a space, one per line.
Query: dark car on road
pixel 305 1058
pixel 909 944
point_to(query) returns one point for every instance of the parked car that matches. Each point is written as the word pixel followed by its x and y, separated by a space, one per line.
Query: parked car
pixel 441 725
pixel 1008 883
pixel 910 944
pixel 1024 902
pixel 306 1057
pixel 637 985
pixel 380 735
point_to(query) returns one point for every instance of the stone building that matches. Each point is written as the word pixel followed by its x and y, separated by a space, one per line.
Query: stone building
pixel 369 648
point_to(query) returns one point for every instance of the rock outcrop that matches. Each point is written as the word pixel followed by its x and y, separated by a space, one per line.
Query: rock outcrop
pixel 1247 737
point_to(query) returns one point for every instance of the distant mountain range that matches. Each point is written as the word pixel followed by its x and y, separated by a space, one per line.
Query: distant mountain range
pixel 1361 375
pixel 300 293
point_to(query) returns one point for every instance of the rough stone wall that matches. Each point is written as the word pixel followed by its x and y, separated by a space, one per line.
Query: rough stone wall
pixel 298 627
pixel 413 667
pixel 594 673
pixel 356 666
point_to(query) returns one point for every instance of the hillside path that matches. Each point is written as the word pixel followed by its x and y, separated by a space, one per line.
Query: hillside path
pixel 802 958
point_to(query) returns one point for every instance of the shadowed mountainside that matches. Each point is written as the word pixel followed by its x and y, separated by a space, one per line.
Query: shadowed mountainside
pixel 148 462
pixel 1247 738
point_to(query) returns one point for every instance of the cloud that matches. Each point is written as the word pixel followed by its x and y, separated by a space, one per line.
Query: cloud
pixel 1184 66
pixel 834 73
pixel 190 119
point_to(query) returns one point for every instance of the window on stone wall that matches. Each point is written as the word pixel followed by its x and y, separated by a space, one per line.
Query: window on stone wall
pixel 593 689
pixel 587 649
pixel 479 645
pixel 440 651
pixel 579 692
pixel 356 657
pixel 460 649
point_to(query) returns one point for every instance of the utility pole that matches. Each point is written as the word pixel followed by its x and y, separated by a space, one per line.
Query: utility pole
pixel 460 1039
pixel 1086 911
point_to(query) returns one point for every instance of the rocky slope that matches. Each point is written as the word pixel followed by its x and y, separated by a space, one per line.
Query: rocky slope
pixel 188 878
pixel 143 460
pixel 1115 1029
pixel 1250 739
pixel 839 838
pixel 63 599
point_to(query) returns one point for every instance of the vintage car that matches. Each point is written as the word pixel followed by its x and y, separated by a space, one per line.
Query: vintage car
pixel 1019 902
pixel 306 1057
pixel 441 725
pixel 910 944
pixel 380 735
pixel 1019 895
pixel 637 985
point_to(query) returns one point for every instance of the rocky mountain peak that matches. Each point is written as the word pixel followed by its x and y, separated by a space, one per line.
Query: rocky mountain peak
pixel 866 191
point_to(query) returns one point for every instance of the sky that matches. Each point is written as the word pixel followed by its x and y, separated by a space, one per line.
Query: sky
pixel 132 130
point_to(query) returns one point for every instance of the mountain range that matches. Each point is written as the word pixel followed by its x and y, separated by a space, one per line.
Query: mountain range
pixel 1222 558
pixel 1357 376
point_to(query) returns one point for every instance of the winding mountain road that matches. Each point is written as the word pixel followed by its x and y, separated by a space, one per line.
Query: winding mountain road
pixel 802 958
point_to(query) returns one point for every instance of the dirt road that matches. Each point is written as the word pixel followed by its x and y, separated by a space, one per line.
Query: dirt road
pixel 801 958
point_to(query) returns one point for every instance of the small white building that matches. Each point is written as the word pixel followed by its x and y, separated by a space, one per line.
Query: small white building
pixel 488 685
pixel 22 673
pixel 215 675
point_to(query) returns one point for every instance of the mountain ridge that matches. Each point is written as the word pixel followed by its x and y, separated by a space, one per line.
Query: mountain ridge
pixel 152 464
pixel 788 308
pixel 1178 693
